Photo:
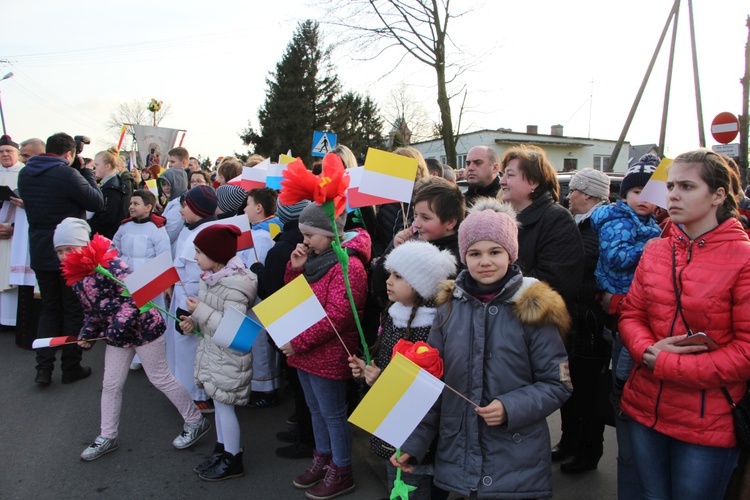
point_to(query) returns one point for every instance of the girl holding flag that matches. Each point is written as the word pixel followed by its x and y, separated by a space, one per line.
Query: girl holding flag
pixel 320 352
pixel 128 331
pixel 223 373
pixel 500 336
pixel 417 270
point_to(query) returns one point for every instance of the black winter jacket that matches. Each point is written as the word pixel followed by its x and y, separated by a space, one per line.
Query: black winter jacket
pixel 116 194
pixel 51 191
pixel 550 247
pixel 588 316
pixel 271 275
pixel 490 191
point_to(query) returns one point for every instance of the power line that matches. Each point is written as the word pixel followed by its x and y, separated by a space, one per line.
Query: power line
pixel 117 53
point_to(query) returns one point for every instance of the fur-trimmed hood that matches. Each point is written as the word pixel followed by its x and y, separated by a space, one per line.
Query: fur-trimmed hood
pixel 534 302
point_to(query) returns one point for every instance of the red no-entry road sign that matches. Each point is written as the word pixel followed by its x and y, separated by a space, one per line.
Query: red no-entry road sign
pixel 725 127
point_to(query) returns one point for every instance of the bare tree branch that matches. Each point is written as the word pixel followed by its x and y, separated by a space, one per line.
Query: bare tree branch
pixel 419 27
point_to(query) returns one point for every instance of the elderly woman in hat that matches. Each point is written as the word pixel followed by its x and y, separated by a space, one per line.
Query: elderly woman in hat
pixel 589 357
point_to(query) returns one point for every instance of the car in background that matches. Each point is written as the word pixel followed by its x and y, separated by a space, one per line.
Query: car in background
pixel 563 178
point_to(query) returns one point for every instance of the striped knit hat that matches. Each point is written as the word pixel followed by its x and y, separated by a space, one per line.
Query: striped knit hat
pixel 230 198
pixel 289 213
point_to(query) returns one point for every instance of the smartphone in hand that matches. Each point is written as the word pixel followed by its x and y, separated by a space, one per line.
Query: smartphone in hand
pixel 699 338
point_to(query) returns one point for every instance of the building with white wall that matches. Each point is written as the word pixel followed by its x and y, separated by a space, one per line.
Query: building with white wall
pixel 565 153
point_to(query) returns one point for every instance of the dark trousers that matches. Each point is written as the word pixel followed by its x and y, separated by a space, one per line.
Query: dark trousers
pixel 583 428
pixel 61 315
pixel 27 316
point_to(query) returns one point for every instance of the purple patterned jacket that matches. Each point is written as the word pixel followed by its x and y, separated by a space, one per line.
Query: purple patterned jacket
pixel 109 314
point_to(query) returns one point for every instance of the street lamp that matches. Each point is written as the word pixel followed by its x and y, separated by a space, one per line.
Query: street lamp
pixel 2 117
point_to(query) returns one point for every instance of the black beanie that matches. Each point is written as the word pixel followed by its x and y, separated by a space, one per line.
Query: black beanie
pixel 202 201
pixel 639 173
pixel 7 141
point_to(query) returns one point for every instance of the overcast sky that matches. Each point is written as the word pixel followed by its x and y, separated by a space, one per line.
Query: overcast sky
pixel 533 63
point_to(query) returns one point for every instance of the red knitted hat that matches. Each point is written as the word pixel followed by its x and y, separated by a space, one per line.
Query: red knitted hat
pixel 218 242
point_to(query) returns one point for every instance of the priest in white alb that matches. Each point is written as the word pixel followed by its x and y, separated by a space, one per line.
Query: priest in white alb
pixel 9 168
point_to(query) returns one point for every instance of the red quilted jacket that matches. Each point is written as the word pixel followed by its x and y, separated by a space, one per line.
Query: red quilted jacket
pixel 318 349
pixel 681 397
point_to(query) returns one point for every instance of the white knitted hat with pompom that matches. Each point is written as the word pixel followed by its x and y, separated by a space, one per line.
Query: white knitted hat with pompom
pixel 423 265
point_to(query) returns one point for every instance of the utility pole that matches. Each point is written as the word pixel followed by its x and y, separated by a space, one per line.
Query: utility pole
pixel 696 80
pixel 745 81
pixel 616 151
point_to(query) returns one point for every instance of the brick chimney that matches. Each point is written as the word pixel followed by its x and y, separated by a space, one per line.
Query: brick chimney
pixel 532 129
pixel 557 130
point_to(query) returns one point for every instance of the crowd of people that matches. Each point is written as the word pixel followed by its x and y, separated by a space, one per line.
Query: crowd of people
pixel 613 310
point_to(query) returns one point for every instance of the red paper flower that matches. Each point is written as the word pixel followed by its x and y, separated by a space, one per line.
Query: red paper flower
pixel 333 183
pixel 421 353
pixel 78 265
pixel 298 183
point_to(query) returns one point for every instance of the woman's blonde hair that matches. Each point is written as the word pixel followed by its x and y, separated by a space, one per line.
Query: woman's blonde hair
pixel 346 155
pixel 109 158
pixel 422 171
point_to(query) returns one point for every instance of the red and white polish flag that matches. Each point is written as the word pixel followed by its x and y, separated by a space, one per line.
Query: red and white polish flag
pixel 52 342
pixel 245 239
pixel 151 279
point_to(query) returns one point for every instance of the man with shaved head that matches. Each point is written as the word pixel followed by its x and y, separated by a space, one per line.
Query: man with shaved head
pixel 482 166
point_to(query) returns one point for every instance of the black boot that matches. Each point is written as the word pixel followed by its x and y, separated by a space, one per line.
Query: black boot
pixel 562 450
pixel 43 377
pixel 230 466
pixel 581 462
pixel 213 461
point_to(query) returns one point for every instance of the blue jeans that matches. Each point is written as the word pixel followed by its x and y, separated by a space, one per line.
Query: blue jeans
pixel 628 482
pixel 670 468
pixel 326 399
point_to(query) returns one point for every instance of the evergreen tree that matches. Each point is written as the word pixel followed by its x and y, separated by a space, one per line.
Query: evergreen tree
pixel 358 124
pixel 302 97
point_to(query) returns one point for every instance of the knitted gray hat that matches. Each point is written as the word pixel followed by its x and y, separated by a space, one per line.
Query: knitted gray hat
pixel 72 232
pixel 423 265
pixel 313 219
pixel 288 213
pixel 591 182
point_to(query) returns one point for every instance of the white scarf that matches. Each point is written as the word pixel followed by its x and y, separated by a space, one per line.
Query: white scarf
pixel 234 266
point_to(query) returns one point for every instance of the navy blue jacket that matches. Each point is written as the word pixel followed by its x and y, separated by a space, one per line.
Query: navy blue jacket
pixel 52 190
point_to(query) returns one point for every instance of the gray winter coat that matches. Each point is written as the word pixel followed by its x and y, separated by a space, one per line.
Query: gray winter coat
pixel 509 349
pixel 223 373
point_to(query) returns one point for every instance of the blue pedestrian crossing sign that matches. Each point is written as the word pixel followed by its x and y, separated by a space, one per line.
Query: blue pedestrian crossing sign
pixel 323 142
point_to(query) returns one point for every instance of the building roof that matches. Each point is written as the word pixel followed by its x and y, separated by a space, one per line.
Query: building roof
pixel 639 150
pixel 559 142
pixel 553 140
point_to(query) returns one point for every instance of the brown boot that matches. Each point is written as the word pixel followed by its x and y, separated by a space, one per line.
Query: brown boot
pixel 338 481
pixel 315 473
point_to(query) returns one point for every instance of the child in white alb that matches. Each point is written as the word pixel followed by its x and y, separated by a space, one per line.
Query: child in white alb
pixel 140 238
pixel 199 209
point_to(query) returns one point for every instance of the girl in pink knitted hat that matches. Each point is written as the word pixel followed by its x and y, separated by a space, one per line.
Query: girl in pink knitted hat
pixel 501 339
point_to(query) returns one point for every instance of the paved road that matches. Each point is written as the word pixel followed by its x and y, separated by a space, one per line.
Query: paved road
pixel 44 430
